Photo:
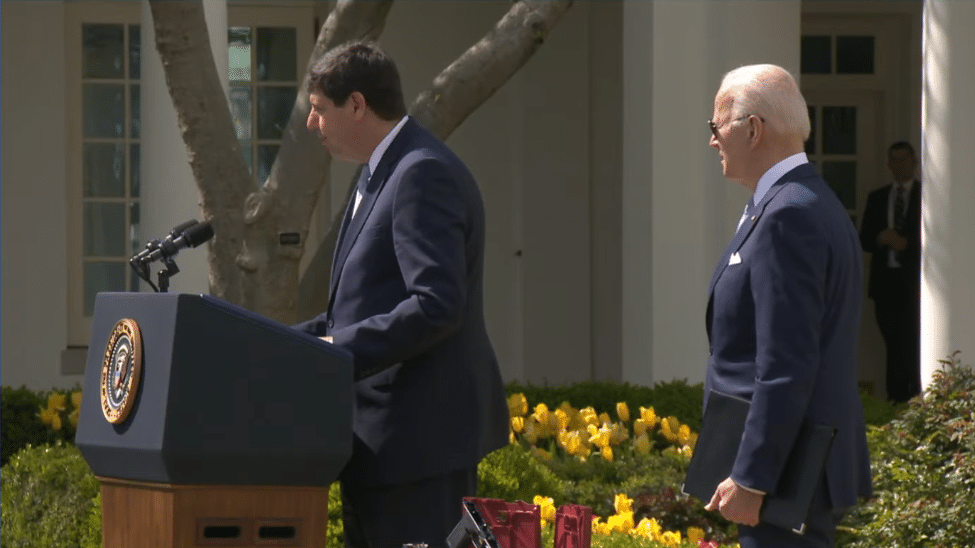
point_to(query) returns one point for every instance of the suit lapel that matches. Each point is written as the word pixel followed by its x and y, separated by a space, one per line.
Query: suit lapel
pixel 350 234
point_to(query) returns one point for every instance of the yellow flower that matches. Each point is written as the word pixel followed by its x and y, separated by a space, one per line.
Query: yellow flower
pixel 639 427
pixel 530 432
pixel 604 419
pixel 600 527
pixel 649 529
pixel 649 416
pixel 517 405
pixel 695 534
pixel 606 453
pixel 622 503
pixel 642 444
pixel 683 434
pixel 589 417
pixel 622 411
pixel 562 419
pixel 600 438
pixel 670 538
pixel 73 418
pixel 541 413
pixel 76 399
pixel 56 401
pixel 571 442
pixel 517 424
pixel 621 522
pixel 512 438
pixel 546 507
pixel 47 416
pixel 669 428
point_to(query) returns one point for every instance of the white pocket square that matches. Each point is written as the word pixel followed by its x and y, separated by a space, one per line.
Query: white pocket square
pixel 735 259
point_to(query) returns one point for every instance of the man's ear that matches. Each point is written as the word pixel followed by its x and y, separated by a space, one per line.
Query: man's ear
pixel 358 104
pixel 756 128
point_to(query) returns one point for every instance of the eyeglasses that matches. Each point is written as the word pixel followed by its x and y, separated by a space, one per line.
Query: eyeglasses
pixel 714 127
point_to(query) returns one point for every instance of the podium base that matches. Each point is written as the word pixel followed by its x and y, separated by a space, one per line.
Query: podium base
pixel 155 515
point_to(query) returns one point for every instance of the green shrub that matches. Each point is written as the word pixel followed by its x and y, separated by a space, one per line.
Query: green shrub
pixel 512 473
pixel 676 398
pixel 924 470
pixel 21 424
pixel 878 411
pixel 48 496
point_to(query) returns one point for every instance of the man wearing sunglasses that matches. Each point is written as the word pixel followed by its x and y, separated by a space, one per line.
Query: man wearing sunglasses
pixel 783 311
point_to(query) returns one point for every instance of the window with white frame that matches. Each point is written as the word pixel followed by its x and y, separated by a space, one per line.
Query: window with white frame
pixel 104 62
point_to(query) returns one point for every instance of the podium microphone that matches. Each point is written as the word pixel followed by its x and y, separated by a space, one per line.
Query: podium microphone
pixel 188 234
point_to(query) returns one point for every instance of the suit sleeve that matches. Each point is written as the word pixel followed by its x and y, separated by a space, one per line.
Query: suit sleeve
pixel 874 221
pixel 788 282
pixel 429 228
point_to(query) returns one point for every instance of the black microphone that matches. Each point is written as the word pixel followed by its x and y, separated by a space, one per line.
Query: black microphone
pixel 189 234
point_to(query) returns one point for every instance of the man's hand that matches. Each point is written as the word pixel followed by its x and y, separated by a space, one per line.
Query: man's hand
pixel 327 338
pixel 735 503
pixel 891 239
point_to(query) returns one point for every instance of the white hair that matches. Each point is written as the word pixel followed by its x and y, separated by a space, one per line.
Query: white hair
pixel 770 92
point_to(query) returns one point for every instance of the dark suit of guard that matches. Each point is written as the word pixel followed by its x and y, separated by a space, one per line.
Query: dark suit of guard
pixel 895 287
pixel 783 320
pixel 406 299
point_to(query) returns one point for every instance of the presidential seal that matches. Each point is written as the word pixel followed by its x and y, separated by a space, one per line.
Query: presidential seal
pixel 121 370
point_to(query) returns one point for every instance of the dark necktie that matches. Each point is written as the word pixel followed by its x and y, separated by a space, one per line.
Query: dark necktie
pixel 899 212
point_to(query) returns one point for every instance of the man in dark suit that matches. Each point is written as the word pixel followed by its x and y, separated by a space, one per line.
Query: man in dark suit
pixel 406 300
pixel 784 310
pixel 891 232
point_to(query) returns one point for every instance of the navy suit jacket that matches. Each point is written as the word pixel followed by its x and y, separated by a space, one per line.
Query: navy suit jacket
pixel 406 300
pixel 783 323
pixel 874 221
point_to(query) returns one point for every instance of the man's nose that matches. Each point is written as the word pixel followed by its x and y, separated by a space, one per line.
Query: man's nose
pixel 311 122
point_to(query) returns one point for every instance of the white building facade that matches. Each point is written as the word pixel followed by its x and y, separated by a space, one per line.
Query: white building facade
pixel 606 207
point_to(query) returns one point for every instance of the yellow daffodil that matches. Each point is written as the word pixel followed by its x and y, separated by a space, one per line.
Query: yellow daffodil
pixel 56 401
pixel 76 399
pixel 669 428
pixel 670 538
pixel 683 434
pixel 600 527
pixel 694 534
pixel 639 427
pixel 561 419
pixel 606 453
pixel 622 411
pixel 517 405
pixel 649 529
pixel 572 442
pixel 622 503
pixel 649 416
pixel 600 438
pixel 621 522
pixel 541 413
pixel 517 424
pixel 546 508
pixel 589 417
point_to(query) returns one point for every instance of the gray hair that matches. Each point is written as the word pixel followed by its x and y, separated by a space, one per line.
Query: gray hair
pixel 768 91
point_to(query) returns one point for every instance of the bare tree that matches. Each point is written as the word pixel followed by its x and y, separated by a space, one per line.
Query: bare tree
pixel 252 262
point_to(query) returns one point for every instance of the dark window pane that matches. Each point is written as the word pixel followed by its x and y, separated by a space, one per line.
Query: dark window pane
pixel 135 52
pixel 104 110
pixel 103 171
pixel 276 54
pixel 135 170
pixel 842 178
pixel 273 109
pixel 134 227
pixel 102 51
pixel 104 229
pixel 102 276
pixel 265 159
pixel 815 56
pixel 839 130
pixel 811 142
pixel 239 44
pixel 854 54
pixel 135 111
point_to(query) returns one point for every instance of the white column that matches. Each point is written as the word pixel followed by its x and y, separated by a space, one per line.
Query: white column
pixel 169 191
pixel 678 211
pixel 948 192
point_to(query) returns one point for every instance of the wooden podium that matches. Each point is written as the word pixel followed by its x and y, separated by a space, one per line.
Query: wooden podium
pixel 208 425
